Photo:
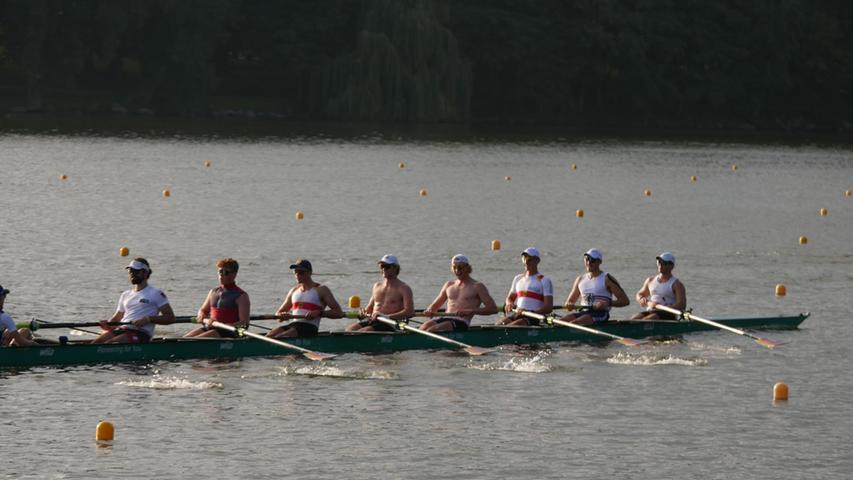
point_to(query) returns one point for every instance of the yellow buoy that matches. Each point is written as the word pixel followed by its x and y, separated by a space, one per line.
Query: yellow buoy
pixel 803 240
pixel 693 178
pixel 824 212
pixel 63 177
pixel 507 178
pixel 647 193
pixel 124 251
pixel 402 165
pixel 780 392
pixel 496 245
pixel 300 215
pixel 207 163
pixel 104 432
pixel 354 301
pixel 579 213
pixel 423 192
pixel 167 193
pixel 574 167
pixel 781 291
pixel 734 168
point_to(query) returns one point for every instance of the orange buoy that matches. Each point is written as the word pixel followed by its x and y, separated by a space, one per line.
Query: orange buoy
pixel 63 177
pixel 693 178
pixel 104 432
pixel 402 165
pixel 496 245
pixel 574 167
pixel 579 213
pixel 803 240
pixel 423 192
pixel 507 178
pixel 207 163
pixel 647 193
pixel 124 251
pixel 824 212
pixel 781 291
pixel 780 392
pixel 300 215
pixel 354 301
pixel 734 168
pixel 167 193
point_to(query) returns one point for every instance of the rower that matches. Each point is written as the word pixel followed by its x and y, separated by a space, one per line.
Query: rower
pixel 306 303
pixel 530 291
pixel 596 290
pixel 139 309
pixel 661 289
pixel 391 298
pixel 226 303
pixel 10 334
pixel 465 298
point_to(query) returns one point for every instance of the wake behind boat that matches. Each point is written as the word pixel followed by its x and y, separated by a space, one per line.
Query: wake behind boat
pixel 488 336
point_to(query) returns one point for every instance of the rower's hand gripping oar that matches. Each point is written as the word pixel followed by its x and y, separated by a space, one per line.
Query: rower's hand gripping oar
pixel 553 319
pixel 467 348
pixel 310 354
pixel 764 342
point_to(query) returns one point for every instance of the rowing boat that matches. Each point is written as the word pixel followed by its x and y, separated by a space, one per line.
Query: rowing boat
pixel 372 342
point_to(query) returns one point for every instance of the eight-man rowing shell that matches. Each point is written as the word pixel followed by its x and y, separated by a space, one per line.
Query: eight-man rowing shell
pixel 378 342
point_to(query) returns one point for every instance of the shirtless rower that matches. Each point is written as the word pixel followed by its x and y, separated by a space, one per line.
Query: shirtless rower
pixel 465 298
pixel 530 291
pixel 226 303
pixel 306 304
pixel 138 310
pixel 10 334
pixel 391 298
pixel 661 289
pixel 596 290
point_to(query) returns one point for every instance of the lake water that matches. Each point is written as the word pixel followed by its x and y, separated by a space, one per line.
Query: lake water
pixel 697 408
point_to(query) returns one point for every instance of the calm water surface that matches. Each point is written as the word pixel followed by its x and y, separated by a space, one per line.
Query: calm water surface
pixel 697 408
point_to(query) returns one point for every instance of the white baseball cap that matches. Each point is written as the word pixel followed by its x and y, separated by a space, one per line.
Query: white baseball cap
pixel 594 253
pixel 459 259
pixel 666 257
pixel 389 260
pixel 137 265
pixel 531 252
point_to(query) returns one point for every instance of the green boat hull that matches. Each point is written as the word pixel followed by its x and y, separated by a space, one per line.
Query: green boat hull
pixel 339 342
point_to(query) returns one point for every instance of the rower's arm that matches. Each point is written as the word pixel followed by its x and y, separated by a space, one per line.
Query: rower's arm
pixel 243 310
pixel 488 307
pixel 680 296
pixel 617 291
pixel 334 310
pixel 439 300
pixel 573 295
pixel 166 317
pixel 204 309
pixel 643 294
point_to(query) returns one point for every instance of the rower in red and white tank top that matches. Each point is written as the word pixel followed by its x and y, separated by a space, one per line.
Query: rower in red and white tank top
pixel 531 290
pixel 307 301
pixel 662 293
pixel 223 304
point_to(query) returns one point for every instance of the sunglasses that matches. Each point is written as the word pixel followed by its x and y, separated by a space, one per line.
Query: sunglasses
pixel 134 271
pixel 225 272
pixel 297 271
pixel 384 266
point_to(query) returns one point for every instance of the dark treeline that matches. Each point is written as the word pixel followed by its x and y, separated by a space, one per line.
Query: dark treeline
pixel 772 64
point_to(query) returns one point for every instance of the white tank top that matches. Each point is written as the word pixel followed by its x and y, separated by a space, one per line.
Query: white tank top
pixel 594 288
pixel 662 293
pixel 531 291
pixel 304 302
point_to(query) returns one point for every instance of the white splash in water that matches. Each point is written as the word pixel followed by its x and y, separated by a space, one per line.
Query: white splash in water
pixel 316 370
pixel 651 360
pixel 535 364
pixel 171 383
pixel 697 346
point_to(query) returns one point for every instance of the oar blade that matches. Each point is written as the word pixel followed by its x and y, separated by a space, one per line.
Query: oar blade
pixel 318 356
pixel 766 342
pixel 631 342
pixel 477 351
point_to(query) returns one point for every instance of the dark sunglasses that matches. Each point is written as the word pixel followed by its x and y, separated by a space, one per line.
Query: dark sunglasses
pixel 225 271
pixel 384 266
pixel 587 257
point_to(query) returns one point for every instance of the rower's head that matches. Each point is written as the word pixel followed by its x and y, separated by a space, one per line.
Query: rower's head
pixel 139 270
pixel 227 269
pixel 460 265
pixel 390 266
pixel 302 270
pixel 3 293
pixel 530 257
pixel 592 259
pixel 666 262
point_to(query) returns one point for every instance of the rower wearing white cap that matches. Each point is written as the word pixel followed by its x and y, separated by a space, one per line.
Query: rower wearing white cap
pixel 465 298
pixel 306 304
pixel 10 334
pixel 596 291
pixel 391 298
pixel 661 289
pixel 139 309
pixel 530 291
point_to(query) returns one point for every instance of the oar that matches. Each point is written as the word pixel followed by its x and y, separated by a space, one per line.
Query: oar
pixel 552 319
pixel 764 342
pixel 310 354
pixel 468 348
